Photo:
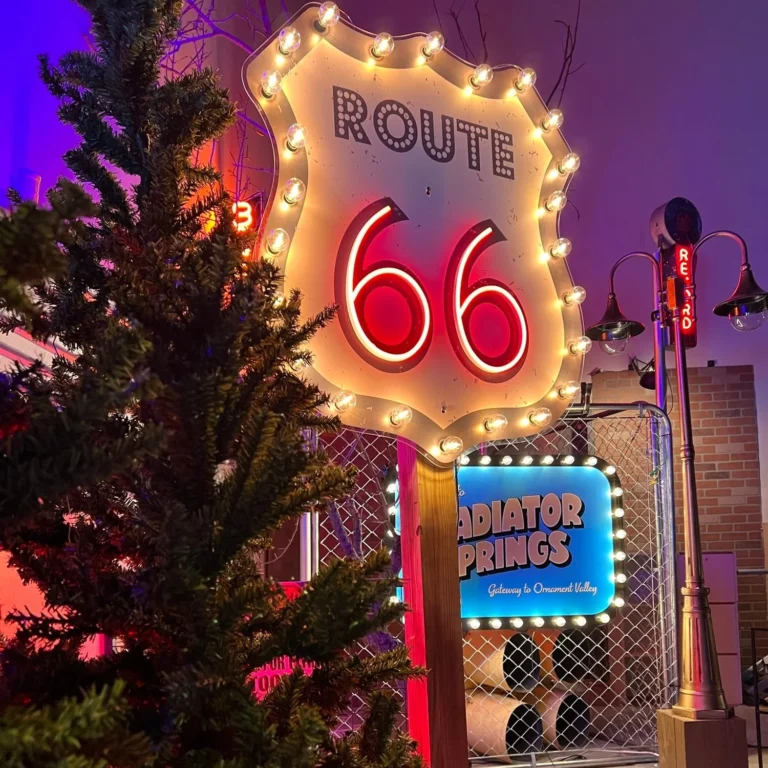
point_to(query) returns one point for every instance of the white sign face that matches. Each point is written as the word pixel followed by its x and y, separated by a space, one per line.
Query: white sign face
pixel 426 221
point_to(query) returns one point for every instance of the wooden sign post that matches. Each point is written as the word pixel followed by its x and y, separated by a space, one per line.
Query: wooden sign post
pixel 428 512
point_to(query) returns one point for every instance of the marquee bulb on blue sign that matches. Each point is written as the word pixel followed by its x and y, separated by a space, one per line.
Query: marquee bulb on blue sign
pixel 547 460
pixel 485 460
pixel 505 460
pixel 568 460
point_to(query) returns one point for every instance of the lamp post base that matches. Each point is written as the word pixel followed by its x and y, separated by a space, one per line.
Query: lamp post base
pixel 685 742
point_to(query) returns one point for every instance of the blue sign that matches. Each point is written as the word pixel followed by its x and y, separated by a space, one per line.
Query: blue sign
pixel 539 537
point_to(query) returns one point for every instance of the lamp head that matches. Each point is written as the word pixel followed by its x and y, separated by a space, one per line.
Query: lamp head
pixel 747 304
pixel 613 331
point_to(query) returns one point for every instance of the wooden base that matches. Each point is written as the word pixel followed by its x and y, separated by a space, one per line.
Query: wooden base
pixel 437 717
pixel 685 743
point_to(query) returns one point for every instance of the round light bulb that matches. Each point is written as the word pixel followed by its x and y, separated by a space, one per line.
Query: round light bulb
pixel 568 460
pixel 580 621
pixel 547 460
pixel 434 43
pixel 296 137
pixel 400 416
pixel 610 470
pixel 288 40
pixel 569 164
pixel 464 460
pixel 619 512
pixel 554 119
pixel 485 460
pixel 621 578
pixel 603 618
pixel 345 400
pixel 506 460
pixel 383 45
pixel 617 492
pixel 495 423
pixel 474 624
pixel 271 83
pixel 328 15
pixel 590 461
pixel 580 346
pixel 526 461
pixel 621 555
pixel 569 390
pixel 277 241
pixel 482 75
pixel 618 602
pixel 517 623
pixel 540 417
pixel 495 624
pixel 559 621
pixel 560 248
pixel 614 346
pixel 747 323
pixel 621 534
pixel 526 79
pixel 556 201
pixel 294 191
pixel 575 296
pixel 451 444
pixel 537 622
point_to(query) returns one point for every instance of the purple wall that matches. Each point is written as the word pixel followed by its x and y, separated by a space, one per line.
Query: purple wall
pixel 659 110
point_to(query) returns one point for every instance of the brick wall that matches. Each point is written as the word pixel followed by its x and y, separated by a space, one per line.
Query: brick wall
pixel 727 469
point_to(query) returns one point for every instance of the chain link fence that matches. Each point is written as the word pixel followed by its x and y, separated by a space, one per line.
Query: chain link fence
pixel 571 694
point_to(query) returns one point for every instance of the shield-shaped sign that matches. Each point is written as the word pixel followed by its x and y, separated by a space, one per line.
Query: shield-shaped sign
pixel 421 195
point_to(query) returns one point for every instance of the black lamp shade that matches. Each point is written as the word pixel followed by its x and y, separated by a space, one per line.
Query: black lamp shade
pixel 613 325
pixel 748 298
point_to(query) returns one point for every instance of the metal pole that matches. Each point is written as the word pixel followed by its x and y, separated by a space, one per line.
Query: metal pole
pixel 663 494
pixel 701 692
pixel 756 694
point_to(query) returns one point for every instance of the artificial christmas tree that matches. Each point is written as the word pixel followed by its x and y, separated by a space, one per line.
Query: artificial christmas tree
pixel 142 474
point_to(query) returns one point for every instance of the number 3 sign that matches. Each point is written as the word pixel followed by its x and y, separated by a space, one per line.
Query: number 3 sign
pixel 421 197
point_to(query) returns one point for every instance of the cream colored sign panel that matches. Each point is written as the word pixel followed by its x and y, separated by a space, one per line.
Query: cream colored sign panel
pixel 421 196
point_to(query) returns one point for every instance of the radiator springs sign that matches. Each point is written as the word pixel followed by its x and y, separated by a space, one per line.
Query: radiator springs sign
pixel 540 540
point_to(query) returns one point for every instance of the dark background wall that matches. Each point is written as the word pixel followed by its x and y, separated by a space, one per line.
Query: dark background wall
pixel 670 101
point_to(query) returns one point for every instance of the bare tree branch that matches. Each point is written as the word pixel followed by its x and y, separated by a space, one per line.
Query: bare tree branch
pixel 483 33
pixel 437 14
pixel 468 52
pixel 567 69
pixel 217 29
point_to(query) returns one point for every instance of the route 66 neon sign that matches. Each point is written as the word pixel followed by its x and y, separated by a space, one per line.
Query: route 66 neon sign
pixel 421 196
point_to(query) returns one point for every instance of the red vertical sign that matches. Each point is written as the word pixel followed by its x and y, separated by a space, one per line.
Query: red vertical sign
pixel 684 263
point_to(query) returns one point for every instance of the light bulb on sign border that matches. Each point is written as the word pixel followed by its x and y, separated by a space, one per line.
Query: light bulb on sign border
pixel 296 137
pixel 328 15
pixel 383 45
pixel 553 119
pixel 288 40
pixel 482 75
pixel 271 83
pixel 525 80
pixel 434 43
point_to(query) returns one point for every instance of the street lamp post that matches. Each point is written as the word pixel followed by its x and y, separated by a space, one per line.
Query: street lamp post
pixel 700 695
